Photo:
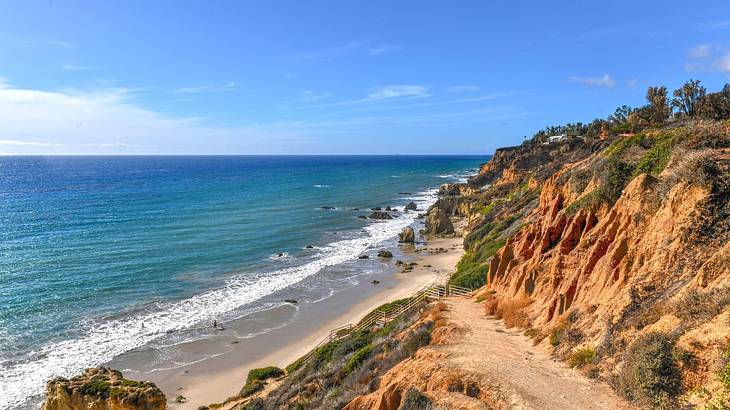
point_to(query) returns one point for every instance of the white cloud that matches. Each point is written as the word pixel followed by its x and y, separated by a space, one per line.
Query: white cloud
pixel 603 81
pixel 310 96
pixel 699 52
pixel 397 91
pixel 28 143
pixel 76 67
pixel 384 49
pixel 107 121
pixel 463 88
pixel 197 89
pixel 723 64
pixel 329 53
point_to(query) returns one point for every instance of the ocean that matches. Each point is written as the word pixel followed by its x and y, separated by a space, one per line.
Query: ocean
pixel 101 256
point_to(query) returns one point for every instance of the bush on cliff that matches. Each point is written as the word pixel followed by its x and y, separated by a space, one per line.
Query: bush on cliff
pixel 650 373
pixel 256 377
pixel 415 400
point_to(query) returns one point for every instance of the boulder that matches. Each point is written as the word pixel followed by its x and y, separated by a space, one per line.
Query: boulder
pixel 380 215
pixel 102 389
pixel 363 257
pixel 384 253
pixel 328 207
pixel 411 206
pixel 407 236
pixel 377 208
pixel 387 208
pixel 438 223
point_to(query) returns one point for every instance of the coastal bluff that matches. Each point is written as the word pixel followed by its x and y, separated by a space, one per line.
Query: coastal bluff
pixel 102 389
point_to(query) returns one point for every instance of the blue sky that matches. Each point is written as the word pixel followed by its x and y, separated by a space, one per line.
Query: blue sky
pixel 335 77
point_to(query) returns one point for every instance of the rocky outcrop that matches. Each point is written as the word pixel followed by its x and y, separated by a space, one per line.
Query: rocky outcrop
pixel 380 215
pixel 438 223
pixel 384 253
pixel 456 190
pixel 407 236
pixel 411 206
pixel 509 164
pixel 102 389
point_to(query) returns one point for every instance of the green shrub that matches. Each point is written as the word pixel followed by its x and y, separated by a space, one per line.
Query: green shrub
pixel 95 387
pixel 589 200
pixel 323 355
pixel 581 357
pixel 556 335
pixel 531 332
pixel 415 400
pixel 251 388
pixel 295 365
pixel 420 338
pixel 472 277
pixel 264 373
pixel 356 360
pixel 695 306
pixel 657 158
pixel 650 374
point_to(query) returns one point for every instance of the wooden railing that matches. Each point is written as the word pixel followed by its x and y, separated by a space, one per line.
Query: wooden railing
pixel 383 316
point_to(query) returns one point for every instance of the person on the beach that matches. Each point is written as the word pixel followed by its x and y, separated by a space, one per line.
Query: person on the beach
pixel 215 324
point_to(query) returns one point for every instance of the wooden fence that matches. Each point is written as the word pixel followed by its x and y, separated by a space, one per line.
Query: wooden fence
pixel 381 317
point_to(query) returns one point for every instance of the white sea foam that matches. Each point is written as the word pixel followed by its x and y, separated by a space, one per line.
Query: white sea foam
pixel 321 186
pixel 103 341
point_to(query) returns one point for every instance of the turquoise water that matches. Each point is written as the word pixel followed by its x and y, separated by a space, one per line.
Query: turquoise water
pixel 102 255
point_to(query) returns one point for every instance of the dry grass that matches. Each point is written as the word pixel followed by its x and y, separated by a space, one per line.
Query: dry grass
pixel 511 311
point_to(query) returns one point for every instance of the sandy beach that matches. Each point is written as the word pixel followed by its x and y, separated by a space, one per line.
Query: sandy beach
pixel 216 378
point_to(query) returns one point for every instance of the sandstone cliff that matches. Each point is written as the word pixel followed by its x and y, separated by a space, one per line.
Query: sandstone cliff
pixel 102 389
pixel 614 257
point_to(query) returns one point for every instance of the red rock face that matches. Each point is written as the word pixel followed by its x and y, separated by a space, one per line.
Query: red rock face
pixel 600 257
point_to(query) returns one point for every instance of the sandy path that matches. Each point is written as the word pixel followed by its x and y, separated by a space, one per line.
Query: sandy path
pixel 518 373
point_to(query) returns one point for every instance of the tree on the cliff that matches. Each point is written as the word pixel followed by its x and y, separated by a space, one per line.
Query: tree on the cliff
pixel 715 106
pixel 656 112
pixel 687 98
pixel 621 115
pixel 659 109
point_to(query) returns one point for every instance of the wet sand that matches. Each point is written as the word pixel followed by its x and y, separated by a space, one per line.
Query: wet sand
pixel 216 378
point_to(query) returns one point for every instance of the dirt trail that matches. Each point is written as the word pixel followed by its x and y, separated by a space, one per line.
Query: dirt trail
pixel 520 375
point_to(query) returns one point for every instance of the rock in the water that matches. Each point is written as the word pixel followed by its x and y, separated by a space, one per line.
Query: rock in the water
pixel 354 209
pixel 292 301
pixel 411 206
pixel 407 236
pixel 102 389
pixel 328 207
pixel 384 253
pixel 438 223
pixel 377 208
pixel 363 257
pixel 375 282
pixel 380 215
pixel 387 208
pixel 421 216
pixel 309 247
pixel 362 217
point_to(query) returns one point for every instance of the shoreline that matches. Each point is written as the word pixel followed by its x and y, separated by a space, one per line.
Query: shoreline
pixel 216 378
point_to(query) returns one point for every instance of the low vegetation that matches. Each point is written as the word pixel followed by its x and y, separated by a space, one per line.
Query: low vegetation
pixel 340 370
pixel 256 377
pixel 415 400
pixel 510 310
pixel 582 357
pixel 651 375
